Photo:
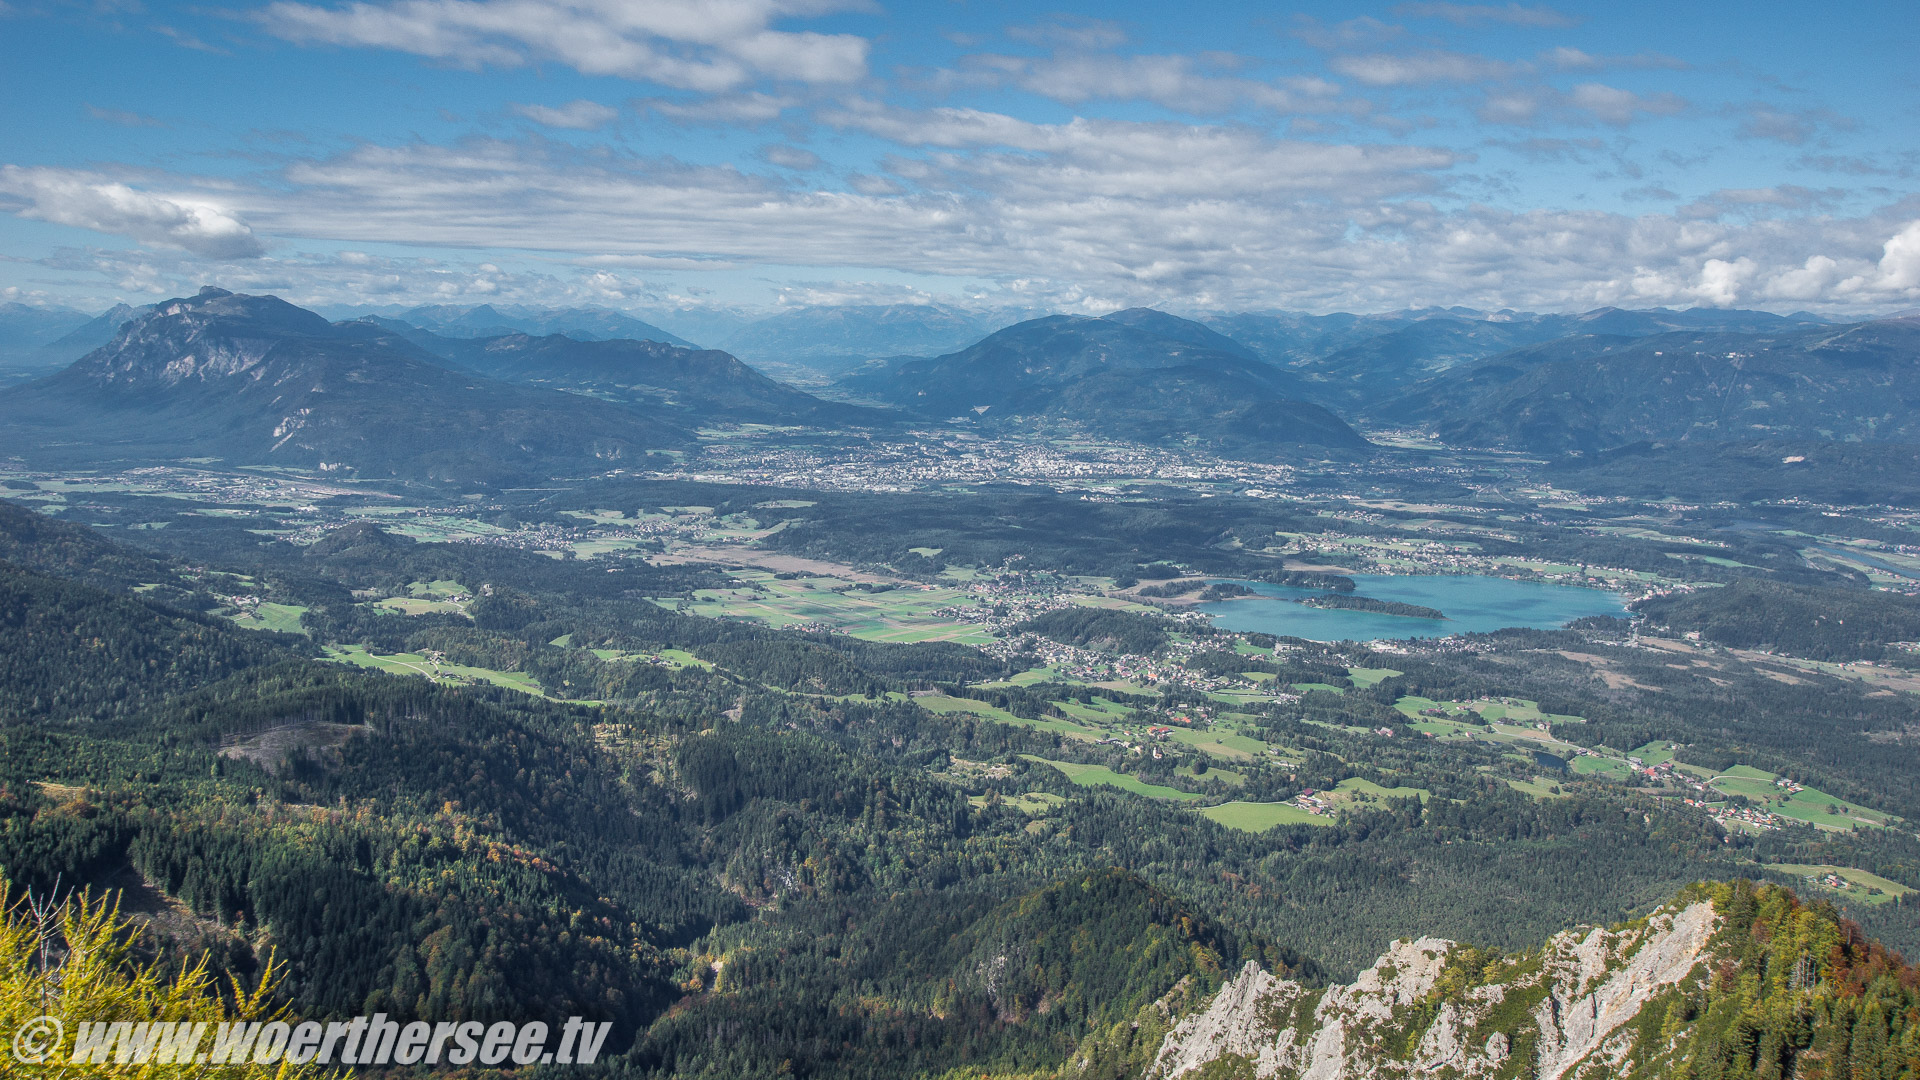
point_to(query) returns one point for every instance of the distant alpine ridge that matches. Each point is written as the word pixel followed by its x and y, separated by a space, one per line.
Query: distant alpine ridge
pixel 253 380
pixel 1139 376
pixel 457 393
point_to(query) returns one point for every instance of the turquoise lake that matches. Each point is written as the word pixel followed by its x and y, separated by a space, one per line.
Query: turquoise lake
pixel 1473 605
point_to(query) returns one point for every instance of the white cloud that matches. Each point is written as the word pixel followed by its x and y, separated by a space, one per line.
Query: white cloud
pixel 749 108
pixel 1809 282
pixel 122 117
pixel 1721 282
pixel 91 201
pixel 944 126
pixel 1469 14
pixel 1569 59
pixel 1586 103
pixel 1074 33
pixel 579 115
pixel 1088 213
pixel 1178 82
pixel 1392 69
pixel 1900 265
pixel 704 45
pixel 1793 127
pixel 790 157
pixel 1612 105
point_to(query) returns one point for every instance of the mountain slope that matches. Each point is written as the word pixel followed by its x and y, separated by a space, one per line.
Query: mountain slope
pixel 1731 980
pixel 702 386
pixel 581 324
pixel 1111 379
pixel 1355 361
pixel 1173 326
pixel 834 339
pixel 25 330
pixel 1857 382
pixel 255 380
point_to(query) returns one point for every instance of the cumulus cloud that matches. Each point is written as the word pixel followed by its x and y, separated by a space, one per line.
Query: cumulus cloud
pixel 1900 264
pixel 579 115
pixel 1809 281
pixel 700 45
pixel 1722 282
pixel 90 201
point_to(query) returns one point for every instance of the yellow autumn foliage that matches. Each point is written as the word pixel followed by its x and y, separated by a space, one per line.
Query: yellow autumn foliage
pixel 75 964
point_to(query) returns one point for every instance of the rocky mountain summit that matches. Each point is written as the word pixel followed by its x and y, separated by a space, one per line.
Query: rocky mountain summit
pixel 1729 980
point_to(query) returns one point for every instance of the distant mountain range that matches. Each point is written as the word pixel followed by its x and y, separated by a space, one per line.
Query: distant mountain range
pixel 825 341
pixel 1112 378
pixel 1350 361
pixel 702 385
pixel 292 386
pixel 1858 382
pixel 35 340
pixel 581 324
pixel 255 380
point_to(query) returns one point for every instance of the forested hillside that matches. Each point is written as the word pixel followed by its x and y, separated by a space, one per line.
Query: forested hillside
pixel 866 858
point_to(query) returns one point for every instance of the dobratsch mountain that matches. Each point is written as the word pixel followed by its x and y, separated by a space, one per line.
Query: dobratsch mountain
pixel 256 380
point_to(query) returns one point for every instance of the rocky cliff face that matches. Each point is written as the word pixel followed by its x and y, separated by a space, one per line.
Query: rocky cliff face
pixel 1580 1007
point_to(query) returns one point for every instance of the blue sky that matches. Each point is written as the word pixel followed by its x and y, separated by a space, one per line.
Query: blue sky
pixel 756 153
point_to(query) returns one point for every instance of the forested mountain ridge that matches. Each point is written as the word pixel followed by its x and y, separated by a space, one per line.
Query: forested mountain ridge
pixel 1858 382
pixel 255 380
pixel 1353 361
pixel 581 324
pixel 696 386
pixel 1112 379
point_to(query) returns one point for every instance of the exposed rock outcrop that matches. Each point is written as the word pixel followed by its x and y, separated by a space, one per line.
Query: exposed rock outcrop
pixel 1433 1008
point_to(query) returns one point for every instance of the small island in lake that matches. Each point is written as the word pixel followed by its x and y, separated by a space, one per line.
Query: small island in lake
pixel 1378 607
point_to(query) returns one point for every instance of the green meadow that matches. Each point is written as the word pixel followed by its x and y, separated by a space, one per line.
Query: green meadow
pixel 1101 776
pixel 901 614
pixel 284 618
pixel 1860 880
pixel 1258 817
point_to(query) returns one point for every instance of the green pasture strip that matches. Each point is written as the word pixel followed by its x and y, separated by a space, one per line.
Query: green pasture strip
pixel 1033 802
pixel 416 664
pixel 1365 677
pixel 1539 789
pixel 1653 753
pixel 1354 785
pixel 1862 878
pixel 284 618
pixel 1101 776
pixel 1258 817
pixel 944 705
